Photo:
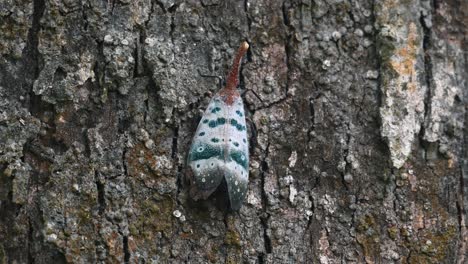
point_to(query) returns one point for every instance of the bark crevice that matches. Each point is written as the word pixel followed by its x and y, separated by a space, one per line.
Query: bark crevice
pixel 31 55
pixel 427 47
pixel 264 217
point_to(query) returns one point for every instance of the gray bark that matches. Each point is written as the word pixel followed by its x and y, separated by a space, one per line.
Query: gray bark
pixel 358 132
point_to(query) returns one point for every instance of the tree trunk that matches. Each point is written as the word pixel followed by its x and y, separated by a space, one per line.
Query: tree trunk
pixel 358 131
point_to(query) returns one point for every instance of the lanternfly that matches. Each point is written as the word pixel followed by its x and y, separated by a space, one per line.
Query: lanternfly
pixel 220 148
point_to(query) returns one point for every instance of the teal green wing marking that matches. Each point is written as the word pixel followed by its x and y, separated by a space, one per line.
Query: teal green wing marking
pixel 220 151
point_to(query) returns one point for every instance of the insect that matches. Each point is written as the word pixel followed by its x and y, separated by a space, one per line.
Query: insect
pixel 219 149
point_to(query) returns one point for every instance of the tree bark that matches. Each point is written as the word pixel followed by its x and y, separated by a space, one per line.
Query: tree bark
pixel 358 131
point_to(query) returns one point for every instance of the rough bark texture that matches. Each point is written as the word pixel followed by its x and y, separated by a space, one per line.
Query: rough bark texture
pixel 358 131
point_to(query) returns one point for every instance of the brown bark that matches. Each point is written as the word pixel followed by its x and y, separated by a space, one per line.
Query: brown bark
pixel 358 131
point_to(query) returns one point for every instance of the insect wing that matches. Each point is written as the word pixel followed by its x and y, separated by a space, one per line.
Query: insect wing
pixel 220 150
pixel 237 160
pixel 206 155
